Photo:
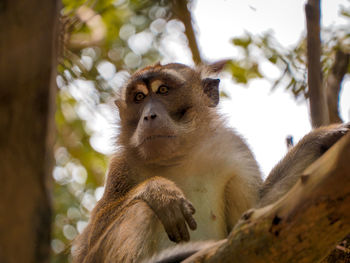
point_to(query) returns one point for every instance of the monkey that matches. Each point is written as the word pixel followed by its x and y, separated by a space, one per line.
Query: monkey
pixel 179 168
pixel 279 181
pixel 287 172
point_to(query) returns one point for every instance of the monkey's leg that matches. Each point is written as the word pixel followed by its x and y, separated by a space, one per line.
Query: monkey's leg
pixel 134 235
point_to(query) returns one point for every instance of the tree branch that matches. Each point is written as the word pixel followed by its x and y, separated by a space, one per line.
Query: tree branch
pixel 341 253
pixel 333 84
pixel 303 226
pixel 182 13
pixel 317 99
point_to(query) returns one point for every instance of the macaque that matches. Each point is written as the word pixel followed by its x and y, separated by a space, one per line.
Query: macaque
pixel 280 180
pixel 181 174
pixel 286 173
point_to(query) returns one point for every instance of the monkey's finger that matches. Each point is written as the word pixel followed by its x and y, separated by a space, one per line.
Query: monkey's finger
pixel 171 227
pixel 177 235
pixel 190 221
pixel 182 228
pixel 187 211
pixel 172 238
pixel 173 233
pixel 191 207
pixel 188 206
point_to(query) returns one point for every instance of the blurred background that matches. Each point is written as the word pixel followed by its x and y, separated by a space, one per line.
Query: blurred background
pixel 263 90
pixel 264 93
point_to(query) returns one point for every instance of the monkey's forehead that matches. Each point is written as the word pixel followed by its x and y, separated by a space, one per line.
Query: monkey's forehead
pixel 171 74
pixel 158 68
pixel 172 71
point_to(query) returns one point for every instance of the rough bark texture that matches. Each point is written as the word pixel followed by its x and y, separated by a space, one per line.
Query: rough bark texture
pixel 317 98
pixel 27 86
pixel 333 85
pixel 303 226
pixel 341 253
pixel 181 12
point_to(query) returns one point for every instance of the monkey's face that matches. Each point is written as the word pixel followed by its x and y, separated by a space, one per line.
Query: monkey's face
pixel 163 111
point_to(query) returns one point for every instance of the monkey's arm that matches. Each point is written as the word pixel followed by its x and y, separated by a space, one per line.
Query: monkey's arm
pixel 119 182
pixel 285 174
pixel 241 194
pixel 170 205
pixel 161 195
pixel 164 198
pixel 123 186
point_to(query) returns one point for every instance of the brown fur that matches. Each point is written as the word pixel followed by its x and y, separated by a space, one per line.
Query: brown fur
pixel 184 159
pixel 286 173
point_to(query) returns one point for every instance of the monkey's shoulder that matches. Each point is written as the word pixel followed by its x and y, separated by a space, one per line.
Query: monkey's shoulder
pixel 227 149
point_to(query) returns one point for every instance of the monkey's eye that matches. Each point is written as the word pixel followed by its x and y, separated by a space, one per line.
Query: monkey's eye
pixel 139 96
pixel 163 90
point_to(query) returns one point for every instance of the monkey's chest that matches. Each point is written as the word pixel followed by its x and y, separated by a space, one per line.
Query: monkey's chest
pixel 210 217
pixel 207 198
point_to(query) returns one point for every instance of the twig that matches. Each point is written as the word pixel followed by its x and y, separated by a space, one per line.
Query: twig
pixel 181 12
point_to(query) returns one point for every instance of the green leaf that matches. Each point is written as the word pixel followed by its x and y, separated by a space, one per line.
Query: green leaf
pixel 242 41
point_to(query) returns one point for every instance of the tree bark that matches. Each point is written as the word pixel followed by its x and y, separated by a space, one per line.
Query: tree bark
pixel 317 97
pixel 333 84
pixel 27 102
pixel 303 226
pixel 181 12
pixel 341 253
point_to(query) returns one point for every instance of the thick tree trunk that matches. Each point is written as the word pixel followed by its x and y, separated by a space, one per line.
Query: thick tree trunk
pixel 303 226
pixel 317 98
pixel 27 87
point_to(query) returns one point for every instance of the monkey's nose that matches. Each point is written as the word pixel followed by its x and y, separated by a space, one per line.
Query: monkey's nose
pixel 150 117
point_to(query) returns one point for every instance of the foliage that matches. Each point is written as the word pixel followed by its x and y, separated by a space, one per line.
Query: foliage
pixel 291 61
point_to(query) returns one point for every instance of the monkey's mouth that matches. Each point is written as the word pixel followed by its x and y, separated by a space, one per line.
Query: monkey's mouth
pixel 153 137
pixel 157 137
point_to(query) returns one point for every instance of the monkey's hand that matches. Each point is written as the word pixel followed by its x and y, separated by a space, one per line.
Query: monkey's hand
pixel 171 207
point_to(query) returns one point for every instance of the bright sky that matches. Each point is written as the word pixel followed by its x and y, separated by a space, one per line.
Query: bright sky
pixel 265 118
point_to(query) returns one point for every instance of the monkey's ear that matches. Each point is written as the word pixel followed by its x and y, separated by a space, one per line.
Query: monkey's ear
pixel 211 89
pixel 120 104
pixel 218 66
